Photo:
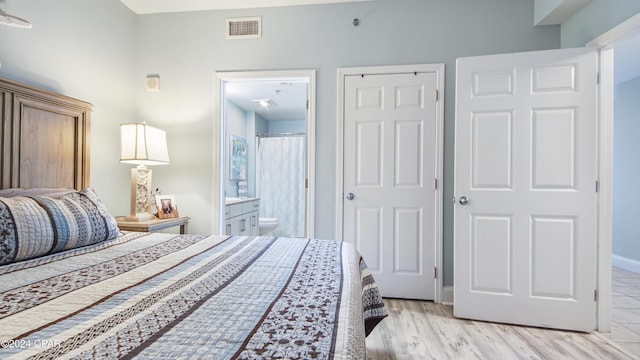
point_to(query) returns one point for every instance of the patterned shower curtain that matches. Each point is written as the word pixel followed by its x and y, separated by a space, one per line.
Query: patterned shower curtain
pixel 280 183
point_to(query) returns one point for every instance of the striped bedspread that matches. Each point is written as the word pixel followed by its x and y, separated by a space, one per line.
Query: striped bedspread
pixel 164 296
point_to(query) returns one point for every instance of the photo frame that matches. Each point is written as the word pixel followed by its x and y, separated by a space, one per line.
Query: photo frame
pixel 238 158
pixel 167 207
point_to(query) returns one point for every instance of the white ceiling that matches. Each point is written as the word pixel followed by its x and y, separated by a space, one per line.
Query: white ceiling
pixel 163 6
pixel 289 98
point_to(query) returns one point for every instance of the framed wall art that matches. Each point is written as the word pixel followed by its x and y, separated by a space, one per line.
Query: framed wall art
pixel 238 158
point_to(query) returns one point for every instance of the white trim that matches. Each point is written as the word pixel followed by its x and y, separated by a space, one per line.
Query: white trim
pixel 605 197
pixel 447 295
pixel 438 69
pixel 606 42
pixel 217 201
pixel 219 126
pixel 625 263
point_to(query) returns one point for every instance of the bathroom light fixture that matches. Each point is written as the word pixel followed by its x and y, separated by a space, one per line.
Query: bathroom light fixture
pixel 265 103
pixel 141 144
pixel 10 20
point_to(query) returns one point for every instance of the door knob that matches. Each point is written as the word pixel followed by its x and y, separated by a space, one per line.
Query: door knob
pixel 350 196
pixel 463 200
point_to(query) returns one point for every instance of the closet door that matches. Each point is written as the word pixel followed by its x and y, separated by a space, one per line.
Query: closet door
pixel 389 170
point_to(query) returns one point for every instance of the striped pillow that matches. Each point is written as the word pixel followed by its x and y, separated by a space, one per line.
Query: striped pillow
pixel 35 226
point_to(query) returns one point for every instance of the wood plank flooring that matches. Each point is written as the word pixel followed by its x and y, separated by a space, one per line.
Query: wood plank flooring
pixel 625 310
pixel 425 330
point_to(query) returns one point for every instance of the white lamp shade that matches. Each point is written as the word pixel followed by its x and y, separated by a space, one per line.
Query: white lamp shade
pixel 142 144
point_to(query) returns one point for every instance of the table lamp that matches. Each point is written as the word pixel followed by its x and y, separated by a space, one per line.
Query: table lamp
pixel 142 145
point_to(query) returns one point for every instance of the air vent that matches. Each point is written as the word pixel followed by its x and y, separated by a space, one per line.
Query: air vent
pixel 244 27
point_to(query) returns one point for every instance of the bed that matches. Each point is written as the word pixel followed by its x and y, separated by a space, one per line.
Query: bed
pixel 72 285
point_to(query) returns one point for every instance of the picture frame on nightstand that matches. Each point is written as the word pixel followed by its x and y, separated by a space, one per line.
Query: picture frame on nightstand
pixel 167 206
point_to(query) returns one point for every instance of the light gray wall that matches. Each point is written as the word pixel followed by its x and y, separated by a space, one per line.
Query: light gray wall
pixel 85 49
pixel 186 49
pixel 287 126
pixel 595 19
pixel 99 51
pixel 626 175
pixel 543 8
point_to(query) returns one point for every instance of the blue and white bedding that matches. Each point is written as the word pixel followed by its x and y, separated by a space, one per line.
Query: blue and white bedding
pixel 166 296
pixel 40 222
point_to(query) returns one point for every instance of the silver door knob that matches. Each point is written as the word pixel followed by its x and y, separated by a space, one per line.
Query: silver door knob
pixel 463 200
pixel 350 196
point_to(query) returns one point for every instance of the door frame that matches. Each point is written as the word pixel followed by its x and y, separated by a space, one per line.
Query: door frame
pixel 606 43
pixel 439 136
pixel 219 129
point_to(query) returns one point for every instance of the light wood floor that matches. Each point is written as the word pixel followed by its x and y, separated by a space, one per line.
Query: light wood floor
pixel 625 311
pixel 425 330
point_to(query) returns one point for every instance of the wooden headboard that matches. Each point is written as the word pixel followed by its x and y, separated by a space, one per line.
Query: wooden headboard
pixel 45 138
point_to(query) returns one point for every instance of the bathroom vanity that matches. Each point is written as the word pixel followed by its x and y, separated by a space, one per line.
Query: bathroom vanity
pixel 241 216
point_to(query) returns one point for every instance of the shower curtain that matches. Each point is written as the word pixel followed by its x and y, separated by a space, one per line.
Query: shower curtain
pixel 280 183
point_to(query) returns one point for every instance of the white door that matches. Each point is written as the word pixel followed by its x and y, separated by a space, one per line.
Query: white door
pixel 525 188
pixel 389 170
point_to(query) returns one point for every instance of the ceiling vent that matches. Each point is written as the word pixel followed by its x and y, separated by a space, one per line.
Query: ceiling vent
pixel 244 27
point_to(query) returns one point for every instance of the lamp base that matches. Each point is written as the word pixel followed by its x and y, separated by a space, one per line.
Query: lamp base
pixel 140 209
pixel 140 217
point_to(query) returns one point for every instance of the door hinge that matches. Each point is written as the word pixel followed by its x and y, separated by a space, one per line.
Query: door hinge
pixel 597 186
pixel 306 183
pixel 437 95
pixel 307 104
pixel 435 184
pixel 595 295
pixel 435 272
pixel 598 79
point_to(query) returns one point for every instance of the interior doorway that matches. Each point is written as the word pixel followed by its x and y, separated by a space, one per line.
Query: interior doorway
pixel 626 131
pixel 606 43
pixel 251 106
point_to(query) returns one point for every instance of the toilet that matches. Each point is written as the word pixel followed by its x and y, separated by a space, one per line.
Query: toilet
pixel 267 225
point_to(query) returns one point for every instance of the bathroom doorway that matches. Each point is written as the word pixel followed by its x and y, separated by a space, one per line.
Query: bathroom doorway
pixel 268 112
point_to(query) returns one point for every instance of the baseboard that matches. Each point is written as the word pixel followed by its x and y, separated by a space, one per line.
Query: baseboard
pixel 625 263
pixel 447 295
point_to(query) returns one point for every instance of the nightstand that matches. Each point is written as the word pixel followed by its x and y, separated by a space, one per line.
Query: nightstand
pixel 153 224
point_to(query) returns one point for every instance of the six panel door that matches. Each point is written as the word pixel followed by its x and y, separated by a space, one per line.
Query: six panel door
pixel 389 171
pixel 525 185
